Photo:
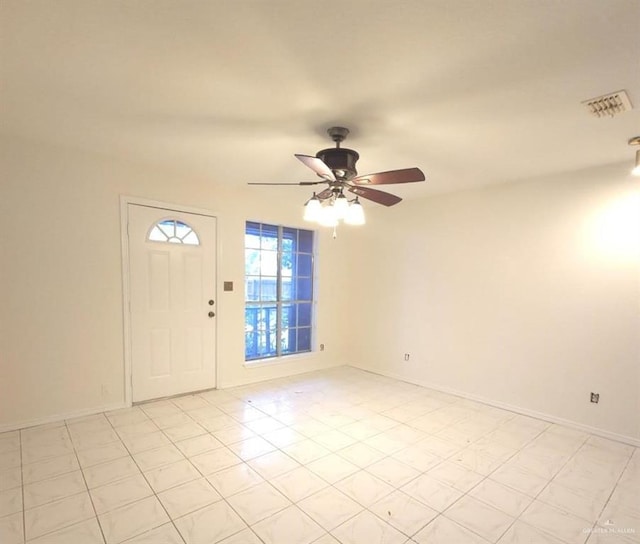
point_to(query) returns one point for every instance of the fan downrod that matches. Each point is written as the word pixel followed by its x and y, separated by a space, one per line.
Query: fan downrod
pixel 338 134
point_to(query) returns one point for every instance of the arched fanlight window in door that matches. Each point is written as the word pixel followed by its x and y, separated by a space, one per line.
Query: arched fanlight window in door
pixel 173 231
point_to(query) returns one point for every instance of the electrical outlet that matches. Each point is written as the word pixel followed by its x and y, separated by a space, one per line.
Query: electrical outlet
pixel 321 347
pixel 595 397
pixel 406 356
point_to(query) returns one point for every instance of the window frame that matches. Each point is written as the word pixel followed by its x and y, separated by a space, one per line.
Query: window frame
pixel 169 239
pixel 280 303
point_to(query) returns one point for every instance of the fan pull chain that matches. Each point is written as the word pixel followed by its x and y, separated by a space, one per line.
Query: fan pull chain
pixel 335 232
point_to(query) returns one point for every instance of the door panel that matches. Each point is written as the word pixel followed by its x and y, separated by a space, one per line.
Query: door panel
pixel 159 289
pixel 171 283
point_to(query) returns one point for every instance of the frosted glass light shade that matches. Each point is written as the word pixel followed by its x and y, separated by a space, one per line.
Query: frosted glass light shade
pixel 355 214
pixel 328 216
pixel 312 209
pixel 341 206
pixel 636 170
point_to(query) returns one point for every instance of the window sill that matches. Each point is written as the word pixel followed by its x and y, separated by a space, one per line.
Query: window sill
pixel 255 363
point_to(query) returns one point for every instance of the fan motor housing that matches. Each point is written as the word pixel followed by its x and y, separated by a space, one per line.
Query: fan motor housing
pixel 338 158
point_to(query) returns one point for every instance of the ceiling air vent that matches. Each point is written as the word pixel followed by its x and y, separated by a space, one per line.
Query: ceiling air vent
pixel 609 104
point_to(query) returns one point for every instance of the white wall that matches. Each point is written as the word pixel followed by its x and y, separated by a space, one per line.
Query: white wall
pixel 61 319
pixel 525 294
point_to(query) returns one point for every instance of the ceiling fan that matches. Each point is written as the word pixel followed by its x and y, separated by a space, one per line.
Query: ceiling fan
pixel 337 168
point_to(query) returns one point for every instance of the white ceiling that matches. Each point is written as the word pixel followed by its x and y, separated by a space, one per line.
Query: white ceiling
pixel 472 91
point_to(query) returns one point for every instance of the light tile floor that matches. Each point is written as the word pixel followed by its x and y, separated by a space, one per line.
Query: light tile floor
pixel 334 456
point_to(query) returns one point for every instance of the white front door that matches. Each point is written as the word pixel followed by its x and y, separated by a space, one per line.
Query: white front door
pixel 172 264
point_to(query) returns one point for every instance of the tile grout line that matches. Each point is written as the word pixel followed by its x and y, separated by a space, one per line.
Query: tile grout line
pixel 246 462
pixel 24 515
pixel 421 473
pixel 542 431
pixel 205 477
pixel 445 459
pixel 363 469
pixel 329 483
pixel 442 461
pixel 586 439
pixel 426 473
pixel 329 400
pixel 146 480
pixel 200 472
pixel 47 459
pixel 548 482
pixel 517 518
pixel 84 479
pixel 604 507
pixel 173 443
pixel 242 461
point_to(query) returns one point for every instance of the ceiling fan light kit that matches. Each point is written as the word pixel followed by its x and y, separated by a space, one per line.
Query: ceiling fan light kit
pixel 355 215
pixel 336 166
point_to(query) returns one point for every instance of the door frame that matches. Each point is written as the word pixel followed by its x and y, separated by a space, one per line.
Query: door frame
pixel 125 201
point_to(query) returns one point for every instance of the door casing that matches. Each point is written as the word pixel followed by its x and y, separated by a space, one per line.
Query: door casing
pixel 125 201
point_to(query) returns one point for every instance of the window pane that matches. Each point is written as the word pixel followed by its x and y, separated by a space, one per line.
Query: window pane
pixel 252 335
pixel 156 235
pixel 305 265
pixel 269 238
pixel 252 235
pixel 173 232
pixel 269 347
pixel 168 227
pixel 252 262
pixel 268 263
pixel 250 345
pixel 288 289
pixel 268 289
pixel 289 342
pixel 288 260
pixel 289 239
pixel 182 229
pixel 251 315
pixel 304 315
pixel 268 318
pixel 304 339
pixel 260 344
pixel 305 241
pixel 303 289
pixel 252 288
pixel 288 316
pixel 191 239
pixel 252 241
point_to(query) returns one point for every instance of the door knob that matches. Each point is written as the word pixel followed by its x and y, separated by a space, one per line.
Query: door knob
pixel 211 303
pixel 211 314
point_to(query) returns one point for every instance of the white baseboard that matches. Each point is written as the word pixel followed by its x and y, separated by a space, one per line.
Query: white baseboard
pixel 510 407
pixel 5 427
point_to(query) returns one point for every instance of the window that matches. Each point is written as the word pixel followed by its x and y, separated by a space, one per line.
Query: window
pixel 173 232
pixel 278 291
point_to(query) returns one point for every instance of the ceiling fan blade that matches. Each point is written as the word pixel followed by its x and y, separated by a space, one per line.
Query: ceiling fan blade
pixel 406 175
pixel 317 165
pixel 305 183
pixel 386 199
